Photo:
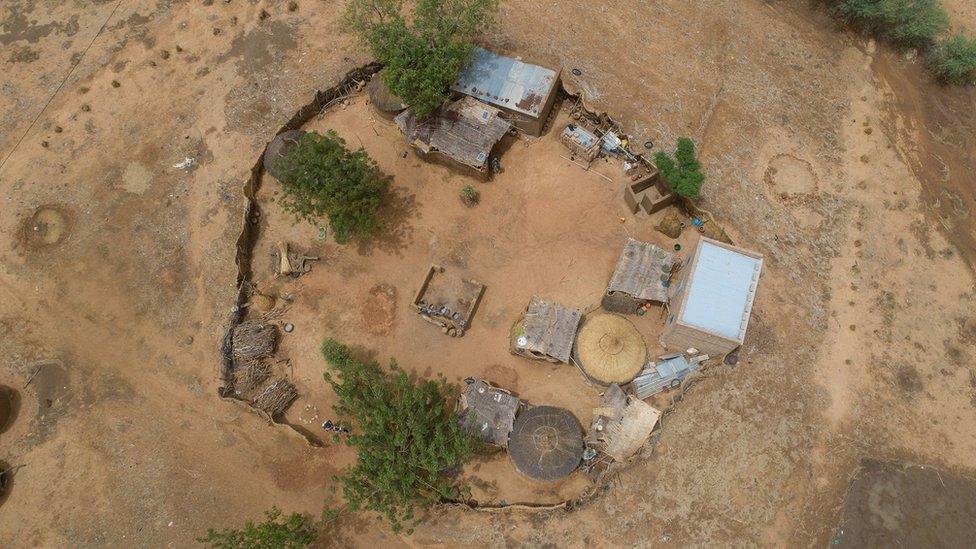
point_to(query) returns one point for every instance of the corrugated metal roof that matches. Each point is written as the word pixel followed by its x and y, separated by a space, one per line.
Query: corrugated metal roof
pixel 722 288
pixel 641 271
pixel 506 82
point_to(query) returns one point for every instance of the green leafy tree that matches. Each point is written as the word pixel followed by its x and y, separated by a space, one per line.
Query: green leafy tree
pixel 683 172
pixel 278 531
pixel 406 439
pixel 321 177
pixel 954 60
pixel 907 23
pixel 423 52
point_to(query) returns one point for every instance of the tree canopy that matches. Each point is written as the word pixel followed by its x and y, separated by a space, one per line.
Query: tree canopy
pixel 406 440
pixel 423 52
pixel 321 177
pixel 683 172
pixel 278 531
pixel 954 61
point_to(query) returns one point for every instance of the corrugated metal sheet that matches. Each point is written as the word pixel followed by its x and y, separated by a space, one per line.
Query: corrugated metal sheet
pixel 465 130
pixel 721 291
pixel 642 271
pixel 506 82
pixel 550 328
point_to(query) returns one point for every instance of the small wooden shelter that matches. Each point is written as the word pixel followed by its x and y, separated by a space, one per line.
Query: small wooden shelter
pixel 546 331
pixel 487 411
pixel 580 142
pixel 465 132
pixel 546 443
pixel 712 299
pixel 621 425
pixel 641 276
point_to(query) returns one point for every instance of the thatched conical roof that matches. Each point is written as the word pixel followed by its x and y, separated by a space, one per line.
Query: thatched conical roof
pixel 546 443
pixel 381 97
pixel 279 147
pixel 610 349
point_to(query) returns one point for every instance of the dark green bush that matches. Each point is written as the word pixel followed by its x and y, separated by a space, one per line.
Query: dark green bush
pixel 683 172
pixel 954 61
pixel 321 177
pixel 406 439
pixel 278 531
pixel 906 23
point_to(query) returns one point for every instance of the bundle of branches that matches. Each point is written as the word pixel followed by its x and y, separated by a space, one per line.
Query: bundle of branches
pixel 276 397
pixel 249 374
pixel 253 339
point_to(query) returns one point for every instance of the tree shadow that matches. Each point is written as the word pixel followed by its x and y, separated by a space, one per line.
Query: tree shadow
pixel 399 207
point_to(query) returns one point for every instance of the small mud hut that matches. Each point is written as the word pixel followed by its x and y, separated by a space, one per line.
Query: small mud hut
pixel 546 443
pixel 621 425
pixel 609 349
pixel 546 331
pixel 464 132
pixel 641 276
pixel 712 299
pixel 487 411
pixel 382 99
pixel 279 147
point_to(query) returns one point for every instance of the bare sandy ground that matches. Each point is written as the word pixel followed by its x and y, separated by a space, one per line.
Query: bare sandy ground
pixel 838 160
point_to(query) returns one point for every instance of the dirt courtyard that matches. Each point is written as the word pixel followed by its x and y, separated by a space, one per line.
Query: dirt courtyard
pixel 544 222
pixel 128 129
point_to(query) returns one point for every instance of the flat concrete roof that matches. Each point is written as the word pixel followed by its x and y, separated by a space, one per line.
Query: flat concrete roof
pixel 506 82
pixel 722 286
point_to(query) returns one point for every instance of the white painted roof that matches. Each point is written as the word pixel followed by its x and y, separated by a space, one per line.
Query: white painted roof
pixel 721 292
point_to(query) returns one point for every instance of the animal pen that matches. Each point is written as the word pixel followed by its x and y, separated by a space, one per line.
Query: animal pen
pixel 546 331
pixel 712 299
pixel 465 132
pixel 642 276
pixel 447 301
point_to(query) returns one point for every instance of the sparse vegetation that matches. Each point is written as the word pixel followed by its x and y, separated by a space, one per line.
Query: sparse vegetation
pixel 906 23
pixel 320 177
pixel 683 172
pixel 407 442
pixel 954 61
pixel 423 52
pixel 469 195
pixel 276 532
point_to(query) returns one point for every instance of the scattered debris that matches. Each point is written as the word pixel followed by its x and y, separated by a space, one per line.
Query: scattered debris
pixel 668 372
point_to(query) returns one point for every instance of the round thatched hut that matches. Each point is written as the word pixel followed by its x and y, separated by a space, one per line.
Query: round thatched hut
pixel 609 349
pixel 546 443
pixel 382 99
pixel 279 147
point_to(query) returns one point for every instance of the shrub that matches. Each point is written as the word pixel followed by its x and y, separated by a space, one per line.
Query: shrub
pixel 321 177
pixel 683 172
pixel 906 23
pixel 276 532
pixel 470 195
pixel 405 438
pixel 422 53
pixel 954 61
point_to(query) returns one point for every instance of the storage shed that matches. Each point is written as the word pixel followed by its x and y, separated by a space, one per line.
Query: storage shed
pixel 621 425
pixel 487 411
pixel 524 92
pixel 642 275
pixel 382 99
pixel 546 331
pixel 465 131
pixel 712 299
